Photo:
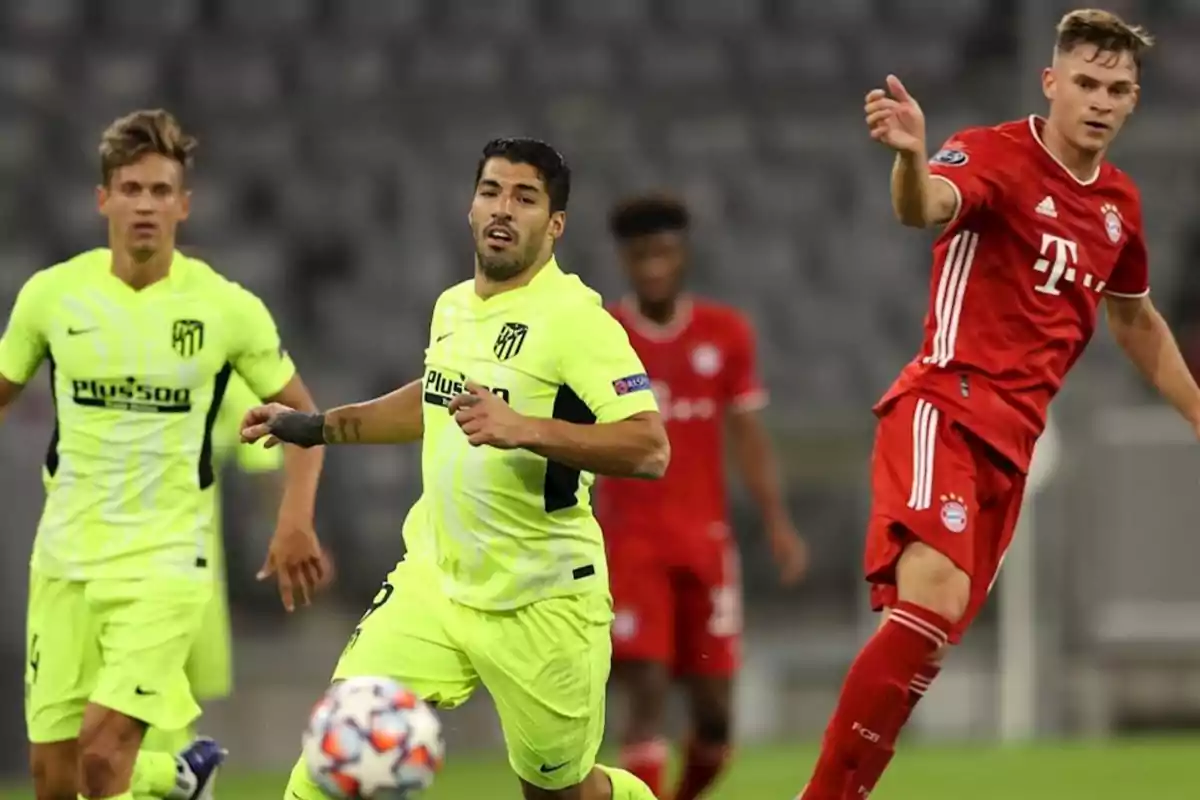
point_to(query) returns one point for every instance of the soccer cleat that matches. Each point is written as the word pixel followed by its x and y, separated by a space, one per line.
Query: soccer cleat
pixel 196 770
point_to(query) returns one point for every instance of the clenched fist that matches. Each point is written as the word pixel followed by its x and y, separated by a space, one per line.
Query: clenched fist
pixel 486 419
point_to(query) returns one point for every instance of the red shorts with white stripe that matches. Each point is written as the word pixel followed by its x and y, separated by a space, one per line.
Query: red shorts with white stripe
pixel 935 482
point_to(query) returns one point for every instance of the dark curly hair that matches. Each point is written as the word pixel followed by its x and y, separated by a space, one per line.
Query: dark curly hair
pixel 551 166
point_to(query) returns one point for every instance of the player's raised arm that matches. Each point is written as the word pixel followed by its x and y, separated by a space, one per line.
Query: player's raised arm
pixel 895 119
pixel 23 346
pixel 619 431
pixel 394 418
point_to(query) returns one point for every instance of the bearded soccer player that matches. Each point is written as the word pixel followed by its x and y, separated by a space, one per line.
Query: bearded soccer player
pixel 1039 229
pixel 530 388
pixel 141 342
pixel 209 666
pixel 672 556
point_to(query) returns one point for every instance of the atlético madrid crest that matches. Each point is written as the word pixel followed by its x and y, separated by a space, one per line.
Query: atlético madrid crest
pixel 187 337
pixel 508 343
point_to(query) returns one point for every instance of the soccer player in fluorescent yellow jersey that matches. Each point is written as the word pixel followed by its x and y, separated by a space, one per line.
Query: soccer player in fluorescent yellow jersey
pixel 530 387
pixel 141 342
pixel 209 666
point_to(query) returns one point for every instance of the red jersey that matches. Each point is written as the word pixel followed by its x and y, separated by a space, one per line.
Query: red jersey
pixel 1018 275
pixel 701 367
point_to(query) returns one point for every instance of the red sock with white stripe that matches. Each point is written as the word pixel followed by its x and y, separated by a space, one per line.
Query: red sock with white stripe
pixel 875 697
pixel 648 761
pixel 876 762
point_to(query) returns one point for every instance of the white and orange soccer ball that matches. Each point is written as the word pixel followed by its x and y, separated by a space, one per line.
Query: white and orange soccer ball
pixel 373 739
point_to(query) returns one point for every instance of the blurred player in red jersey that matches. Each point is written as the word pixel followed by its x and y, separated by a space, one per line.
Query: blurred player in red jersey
pixel 1039 229
pixel 673 559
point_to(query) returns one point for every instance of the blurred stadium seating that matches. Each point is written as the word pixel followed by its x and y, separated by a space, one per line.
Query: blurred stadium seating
pixel 338 143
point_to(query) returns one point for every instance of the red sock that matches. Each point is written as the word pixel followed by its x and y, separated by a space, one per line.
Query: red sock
pixel 876 762
pixel 647 760
pixel 874 698
pixel 703 765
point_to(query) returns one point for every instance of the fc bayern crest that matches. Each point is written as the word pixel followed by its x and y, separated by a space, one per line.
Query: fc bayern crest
pixel 706 360
pixel 1112 222
pixel 954 513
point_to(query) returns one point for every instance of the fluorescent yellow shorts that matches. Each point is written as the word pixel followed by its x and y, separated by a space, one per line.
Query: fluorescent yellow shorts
pixel 209 665
pixel 121 644
pixel 545 666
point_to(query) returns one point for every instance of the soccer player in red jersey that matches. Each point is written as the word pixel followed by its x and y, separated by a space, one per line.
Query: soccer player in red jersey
pixel 1039 229
pixel 673 562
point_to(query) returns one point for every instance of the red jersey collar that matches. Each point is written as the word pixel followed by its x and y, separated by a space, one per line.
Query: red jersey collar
pixel 654 331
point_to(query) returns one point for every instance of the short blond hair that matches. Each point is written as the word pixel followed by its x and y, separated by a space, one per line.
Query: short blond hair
pixel 140 133
pixel 1108 32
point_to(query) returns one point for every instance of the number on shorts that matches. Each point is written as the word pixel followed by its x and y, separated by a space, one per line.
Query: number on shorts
pixel 726 619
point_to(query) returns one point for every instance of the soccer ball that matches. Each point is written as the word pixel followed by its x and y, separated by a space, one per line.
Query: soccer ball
pixel 373 739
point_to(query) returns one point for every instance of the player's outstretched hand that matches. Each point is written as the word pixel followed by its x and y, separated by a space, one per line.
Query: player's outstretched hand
pixel 789 551
pixel 279 424
pixel 258 421
pixel 486 419
pixel 299 565
pixel 894 118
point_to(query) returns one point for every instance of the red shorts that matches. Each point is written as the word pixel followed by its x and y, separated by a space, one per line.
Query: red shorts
pixel 936 482
pixel 686 614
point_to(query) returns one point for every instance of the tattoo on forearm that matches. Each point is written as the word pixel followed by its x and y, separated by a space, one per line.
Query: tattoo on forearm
pixel 345 430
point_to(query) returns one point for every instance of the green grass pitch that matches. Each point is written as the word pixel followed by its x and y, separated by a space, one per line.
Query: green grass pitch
pixel 1161 769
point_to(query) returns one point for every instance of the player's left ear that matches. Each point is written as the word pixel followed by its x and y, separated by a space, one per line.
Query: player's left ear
pixel 558 224
pixel 185 204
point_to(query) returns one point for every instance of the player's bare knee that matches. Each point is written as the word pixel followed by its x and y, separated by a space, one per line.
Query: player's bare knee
pixel 714 729
pixel 929 579
pixel 99 771
pixel 647 684
pixel 712 710
pixel 108 747
pixel 54 769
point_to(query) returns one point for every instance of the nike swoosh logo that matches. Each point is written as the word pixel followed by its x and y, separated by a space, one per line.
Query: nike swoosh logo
pixel 80 331
pixel 142 692
pixel 555 768
pixel 443 336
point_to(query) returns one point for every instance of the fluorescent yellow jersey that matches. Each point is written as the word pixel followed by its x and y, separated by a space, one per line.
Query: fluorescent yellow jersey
pixel 138 378
pixel 507 527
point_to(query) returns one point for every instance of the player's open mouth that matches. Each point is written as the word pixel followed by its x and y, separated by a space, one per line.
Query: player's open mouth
pixel 498 236
pixel 1097 126
pixel 145 227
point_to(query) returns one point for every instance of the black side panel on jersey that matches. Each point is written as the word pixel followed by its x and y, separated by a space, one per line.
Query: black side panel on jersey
pixel 562 482
pixel 52 450
pixel 207 475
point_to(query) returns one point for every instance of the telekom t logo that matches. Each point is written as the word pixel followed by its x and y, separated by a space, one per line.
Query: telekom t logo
pixel 1059 257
